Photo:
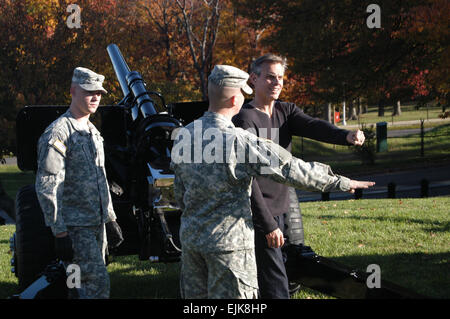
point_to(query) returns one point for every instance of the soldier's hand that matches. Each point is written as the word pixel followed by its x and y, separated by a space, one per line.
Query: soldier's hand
pixel 275 239
pixel 356 137
pixel 63 248
pixel 113 234
pixel 359 184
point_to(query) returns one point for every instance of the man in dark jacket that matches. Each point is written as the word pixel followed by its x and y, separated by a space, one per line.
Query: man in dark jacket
pixel 270 118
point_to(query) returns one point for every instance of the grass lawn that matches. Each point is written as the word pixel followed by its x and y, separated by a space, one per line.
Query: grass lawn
pixel 408 238
pixel 402 152
pixel 409 112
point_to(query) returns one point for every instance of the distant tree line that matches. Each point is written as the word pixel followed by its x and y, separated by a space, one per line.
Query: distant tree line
pixel 332 52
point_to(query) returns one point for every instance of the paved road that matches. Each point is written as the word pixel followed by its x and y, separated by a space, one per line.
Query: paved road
pixel 399 133
pixel 11 161
pixel 408 184
pixel 400 123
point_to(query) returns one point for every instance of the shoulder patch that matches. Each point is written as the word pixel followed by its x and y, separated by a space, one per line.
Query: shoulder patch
pixel 59 146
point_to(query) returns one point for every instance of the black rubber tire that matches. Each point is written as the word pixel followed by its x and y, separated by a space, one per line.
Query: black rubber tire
pixel 34 241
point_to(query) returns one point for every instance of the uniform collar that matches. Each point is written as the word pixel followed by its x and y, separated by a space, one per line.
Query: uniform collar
pixel 80 128
pixel 218 117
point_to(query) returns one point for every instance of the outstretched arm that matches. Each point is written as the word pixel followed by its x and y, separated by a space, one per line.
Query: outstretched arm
pixel 302 124
pixel 272 161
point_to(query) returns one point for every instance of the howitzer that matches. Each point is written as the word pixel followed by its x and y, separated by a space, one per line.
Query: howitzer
pixel 137 141
pixel 150 150
pixel 305 268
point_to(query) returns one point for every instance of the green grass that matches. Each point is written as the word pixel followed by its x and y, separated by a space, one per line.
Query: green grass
pixel 8 282
pixel 409 113
pixel 402 152
pixel 135 279
pixel 400 126
pixel 408 238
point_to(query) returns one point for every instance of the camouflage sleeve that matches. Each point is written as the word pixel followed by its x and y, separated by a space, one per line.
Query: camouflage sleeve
pixel 179 190
pixel 270 160
pixel 50 179
pixel 315 176
pixel 111 215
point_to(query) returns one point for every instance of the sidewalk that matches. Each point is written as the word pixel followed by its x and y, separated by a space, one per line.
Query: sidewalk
pixel 11 161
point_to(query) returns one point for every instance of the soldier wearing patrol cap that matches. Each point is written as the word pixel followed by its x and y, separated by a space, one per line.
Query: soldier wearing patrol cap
pixel 216 232
pixel 72 189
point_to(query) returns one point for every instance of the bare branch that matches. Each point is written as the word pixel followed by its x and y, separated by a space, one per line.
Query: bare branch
pixel 202 41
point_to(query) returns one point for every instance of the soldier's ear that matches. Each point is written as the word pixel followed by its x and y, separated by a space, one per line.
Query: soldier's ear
pixel 73 89
pixel 233 101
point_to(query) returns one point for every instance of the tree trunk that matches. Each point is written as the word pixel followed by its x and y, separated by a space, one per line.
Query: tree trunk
pixel 397 109
pixel 365 106
pixel 353 114
pixel 359 109
pixel 446 102
pixel 381 107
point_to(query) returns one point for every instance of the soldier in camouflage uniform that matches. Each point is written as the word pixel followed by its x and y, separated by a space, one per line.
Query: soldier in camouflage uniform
pixel 214 164
pixel 72 188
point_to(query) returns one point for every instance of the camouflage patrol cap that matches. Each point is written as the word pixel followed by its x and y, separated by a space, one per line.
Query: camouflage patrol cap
pixel 88 80
pixel 230 76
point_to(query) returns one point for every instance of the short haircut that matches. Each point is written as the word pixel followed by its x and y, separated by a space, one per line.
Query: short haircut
pixel 219 95
pixel 256 65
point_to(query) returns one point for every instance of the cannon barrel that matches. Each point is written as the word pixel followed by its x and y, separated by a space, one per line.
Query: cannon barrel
pixel 120 67
pixel 131 82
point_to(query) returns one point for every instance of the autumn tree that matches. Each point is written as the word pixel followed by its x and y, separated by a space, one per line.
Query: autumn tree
pixel 200 20
pixel 26 29
pixel 164 16
pixel 428 27
pixel 333 43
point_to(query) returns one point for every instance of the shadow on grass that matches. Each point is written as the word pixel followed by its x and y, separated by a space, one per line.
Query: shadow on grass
pixel 424 274
pixel 134 279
